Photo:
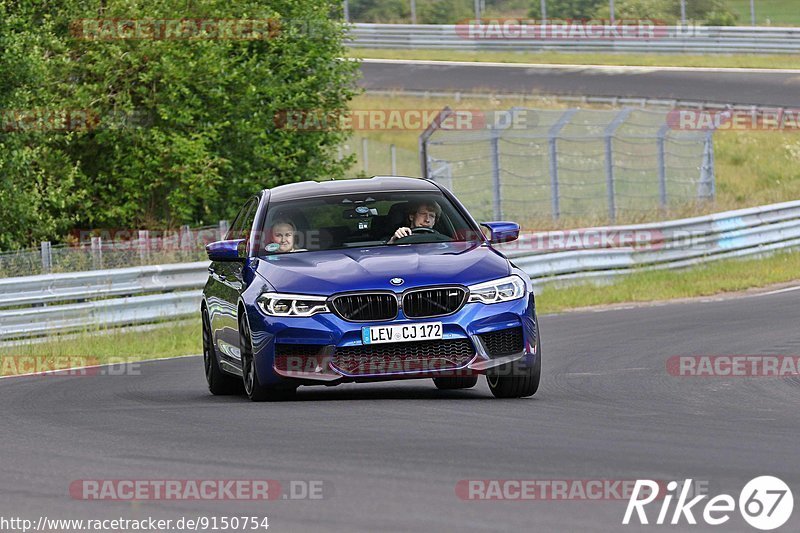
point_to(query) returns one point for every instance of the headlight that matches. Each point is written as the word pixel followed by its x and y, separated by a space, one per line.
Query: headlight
pixel 276 304
pixel 498 290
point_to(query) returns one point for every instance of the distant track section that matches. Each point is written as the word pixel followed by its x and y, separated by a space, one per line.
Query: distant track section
pixel 761 87
pixel 577 36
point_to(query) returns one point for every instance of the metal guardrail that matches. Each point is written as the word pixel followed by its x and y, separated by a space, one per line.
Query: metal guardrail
pixel 49 288
pixel 667 245
pixel 667 39
pixel 46 304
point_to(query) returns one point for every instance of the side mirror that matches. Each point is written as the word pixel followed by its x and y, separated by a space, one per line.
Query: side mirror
pixel 232 250
pixel 502 231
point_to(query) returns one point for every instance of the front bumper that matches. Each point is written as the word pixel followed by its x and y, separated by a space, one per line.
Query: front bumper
pixel 316 344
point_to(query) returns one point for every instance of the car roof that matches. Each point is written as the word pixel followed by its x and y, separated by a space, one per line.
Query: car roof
pixel 310 189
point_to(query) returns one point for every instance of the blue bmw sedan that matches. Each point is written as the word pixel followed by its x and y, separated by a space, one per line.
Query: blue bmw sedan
pixel 387 278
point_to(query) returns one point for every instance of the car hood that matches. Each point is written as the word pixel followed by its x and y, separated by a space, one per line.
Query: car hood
pixel 332 271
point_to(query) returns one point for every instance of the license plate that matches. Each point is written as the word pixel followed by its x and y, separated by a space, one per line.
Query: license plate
pixel 402 333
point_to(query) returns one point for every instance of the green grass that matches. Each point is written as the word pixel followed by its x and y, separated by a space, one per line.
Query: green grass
pixel 768 12
pixel 727 275
pixel 103 346
pixel 791 61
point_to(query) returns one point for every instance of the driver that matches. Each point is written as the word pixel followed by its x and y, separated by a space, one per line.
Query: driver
pixel 420 215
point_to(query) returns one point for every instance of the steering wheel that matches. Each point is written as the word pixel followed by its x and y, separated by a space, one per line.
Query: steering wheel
pixel 423 230
pixel 422 235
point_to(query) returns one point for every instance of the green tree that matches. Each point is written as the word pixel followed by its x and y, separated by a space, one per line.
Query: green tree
pixel 444 11
pixel 187 128
pixel 566 9
pixel 710 12
pixel 380 11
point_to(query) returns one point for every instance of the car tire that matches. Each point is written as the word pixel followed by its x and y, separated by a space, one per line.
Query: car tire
pixel 518 384
pixel 252 387
pixel 454 383
pixel 219 383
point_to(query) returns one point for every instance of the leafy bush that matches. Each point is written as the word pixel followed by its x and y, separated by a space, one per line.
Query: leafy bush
pixel 709 12
pixel 566 9
pixel 186 128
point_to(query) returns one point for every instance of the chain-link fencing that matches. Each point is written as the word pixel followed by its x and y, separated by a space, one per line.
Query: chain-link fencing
pixel 98 250
pixel 576 162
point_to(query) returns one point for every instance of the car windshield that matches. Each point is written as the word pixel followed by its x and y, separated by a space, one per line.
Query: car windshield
pixel 362 220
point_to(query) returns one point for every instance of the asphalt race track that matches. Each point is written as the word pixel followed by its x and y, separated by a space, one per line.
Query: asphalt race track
pixel 390 455
pixel 734 86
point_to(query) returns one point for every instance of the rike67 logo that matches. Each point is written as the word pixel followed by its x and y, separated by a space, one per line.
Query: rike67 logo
pixel 765 503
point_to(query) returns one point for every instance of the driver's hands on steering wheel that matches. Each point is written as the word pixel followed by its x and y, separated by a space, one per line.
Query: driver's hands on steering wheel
pixel 400 233
pixel 407 232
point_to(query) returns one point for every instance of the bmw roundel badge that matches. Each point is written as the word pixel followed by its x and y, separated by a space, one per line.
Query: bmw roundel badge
pixel 397 281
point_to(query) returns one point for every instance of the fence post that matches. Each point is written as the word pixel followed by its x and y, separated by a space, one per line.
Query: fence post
pixel 185 239
pixel 609 135
pixel 97 253
pixel 47 257
pixel 365 154
pixel 552 135
pixel 497 198
pixel 662 166
pixel 223 229
pixel 393 151
pixel 425 137
pixel 144 245
pixel 706 188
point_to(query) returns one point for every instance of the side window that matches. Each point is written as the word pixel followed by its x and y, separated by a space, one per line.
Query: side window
pixel 244 221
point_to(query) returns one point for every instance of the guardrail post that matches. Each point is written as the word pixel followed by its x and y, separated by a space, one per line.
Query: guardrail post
pixel 365 154
pixel 47 257
pixel 223 229
pixel 497 198
pixel 97 253
pixel 662 166
pixel 552 134
pixel 393 152
pixel 609 136
pixel 144 245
